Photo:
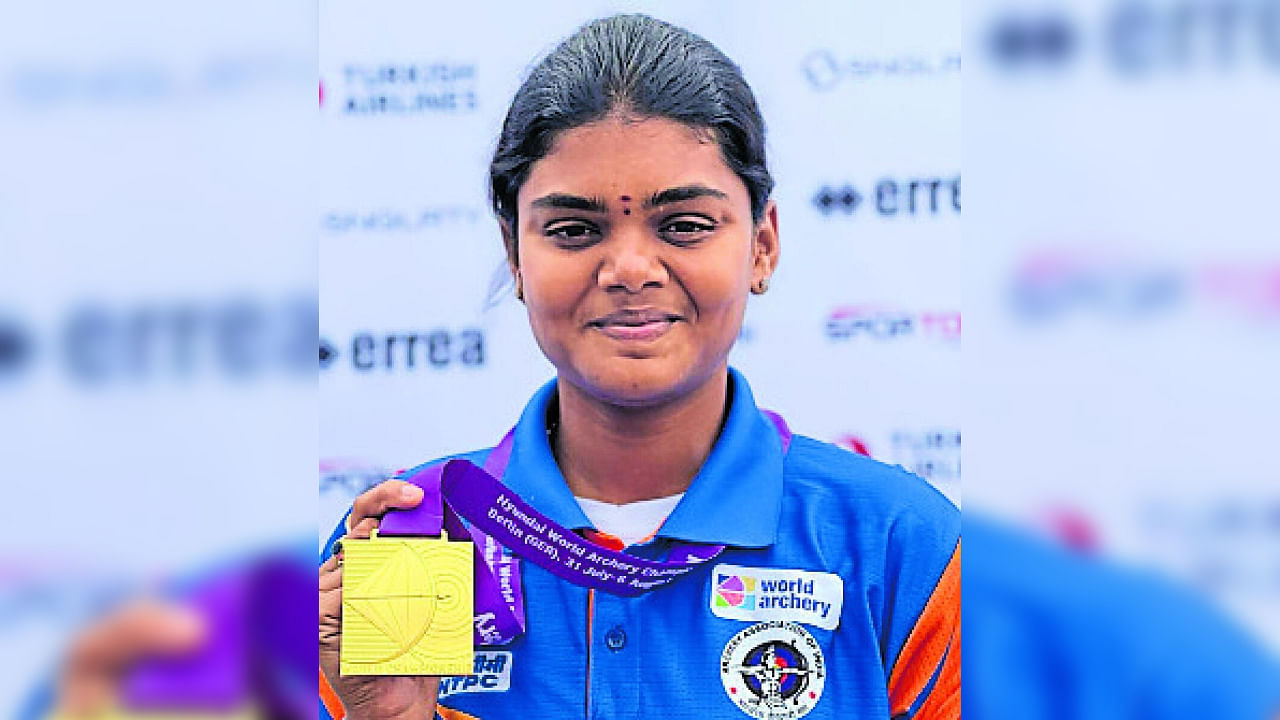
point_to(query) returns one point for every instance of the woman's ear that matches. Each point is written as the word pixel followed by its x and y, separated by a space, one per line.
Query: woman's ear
pixel 765 249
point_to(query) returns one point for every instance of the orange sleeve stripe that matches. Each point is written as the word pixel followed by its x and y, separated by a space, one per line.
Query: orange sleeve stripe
pixel 927 644
pixel 330 699
pixel 451 714
pixel 943 702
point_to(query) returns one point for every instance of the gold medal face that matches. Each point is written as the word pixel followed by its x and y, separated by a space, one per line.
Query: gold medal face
pixel 407 607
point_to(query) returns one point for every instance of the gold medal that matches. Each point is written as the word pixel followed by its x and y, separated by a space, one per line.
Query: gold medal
pixel 407 606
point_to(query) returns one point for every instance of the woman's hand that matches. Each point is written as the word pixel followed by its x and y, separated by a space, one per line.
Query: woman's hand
pixel 101 655
pixel 370 697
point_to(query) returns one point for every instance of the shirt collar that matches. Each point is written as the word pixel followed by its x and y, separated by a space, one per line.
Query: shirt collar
pixel 735 499
pixel 532 471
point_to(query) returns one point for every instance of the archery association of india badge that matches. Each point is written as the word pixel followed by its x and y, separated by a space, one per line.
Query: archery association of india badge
pixel 773 671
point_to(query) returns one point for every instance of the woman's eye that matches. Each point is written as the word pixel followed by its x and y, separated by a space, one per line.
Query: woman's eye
pixel 687 230
pixel 572 234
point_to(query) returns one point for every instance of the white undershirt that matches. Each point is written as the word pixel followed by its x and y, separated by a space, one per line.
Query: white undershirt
pixel 632 522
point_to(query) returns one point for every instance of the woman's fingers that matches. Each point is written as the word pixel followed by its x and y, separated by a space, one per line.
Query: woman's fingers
pixel 330 605
pixel 330 575
pixel 98 659
pixel 143 628
pixel 375 502
pixel 364 529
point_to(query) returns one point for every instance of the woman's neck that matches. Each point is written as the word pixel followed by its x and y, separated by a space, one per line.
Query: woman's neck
pixel 620 454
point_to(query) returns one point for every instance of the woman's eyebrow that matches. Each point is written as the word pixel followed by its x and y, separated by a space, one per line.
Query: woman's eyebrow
pixel 565 201
pixel 684 192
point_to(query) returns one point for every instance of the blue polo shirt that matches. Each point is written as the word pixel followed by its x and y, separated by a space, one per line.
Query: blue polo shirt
pixel 837 595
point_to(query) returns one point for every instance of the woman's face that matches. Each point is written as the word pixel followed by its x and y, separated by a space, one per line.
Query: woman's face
pixel 636 251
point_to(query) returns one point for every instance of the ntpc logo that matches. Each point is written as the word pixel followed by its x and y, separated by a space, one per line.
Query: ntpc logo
pixel 491 673
pixel 736 591
pixel 857 321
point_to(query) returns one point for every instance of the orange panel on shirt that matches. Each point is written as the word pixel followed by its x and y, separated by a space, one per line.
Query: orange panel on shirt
pixel 451 714
pixel 330 699
pixel 944 699
pixel 927 645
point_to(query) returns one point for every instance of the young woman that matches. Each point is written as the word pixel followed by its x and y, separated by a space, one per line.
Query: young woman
pixel 633 197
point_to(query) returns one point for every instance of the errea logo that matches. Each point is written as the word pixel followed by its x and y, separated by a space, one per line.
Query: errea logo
pixel 755 594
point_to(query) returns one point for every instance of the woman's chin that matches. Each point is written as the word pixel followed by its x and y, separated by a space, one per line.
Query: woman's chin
pixel 637 387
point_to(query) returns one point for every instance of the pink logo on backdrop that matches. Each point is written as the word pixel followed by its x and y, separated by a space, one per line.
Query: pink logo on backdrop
pixel 854 443
pixel 885 324
pixel 1252 290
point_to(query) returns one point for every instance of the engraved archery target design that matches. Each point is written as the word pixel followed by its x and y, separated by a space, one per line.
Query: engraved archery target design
pixel 407 607
pixel 399 599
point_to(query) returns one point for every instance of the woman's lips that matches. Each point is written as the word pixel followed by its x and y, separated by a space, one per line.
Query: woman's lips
pixel 635 324
pixel 646 330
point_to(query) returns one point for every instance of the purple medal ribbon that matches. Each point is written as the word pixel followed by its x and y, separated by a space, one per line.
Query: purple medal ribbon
pixel 499 518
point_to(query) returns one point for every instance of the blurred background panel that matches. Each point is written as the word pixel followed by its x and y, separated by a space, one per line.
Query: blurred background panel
pixel 158 307
pixel 1124 287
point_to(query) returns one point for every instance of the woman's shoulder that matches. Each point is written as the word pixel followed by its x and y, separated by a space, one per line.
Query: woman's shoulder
pixel 476 457
pixel 856 485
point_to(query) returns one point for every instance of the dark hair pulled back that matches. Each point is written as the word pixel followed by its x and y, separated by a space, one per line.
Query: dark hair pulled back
pixel 639 67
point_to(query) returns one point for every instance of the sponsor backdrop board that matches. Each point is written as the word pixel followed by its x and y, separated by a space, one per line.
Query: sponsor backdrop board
pixel 857 341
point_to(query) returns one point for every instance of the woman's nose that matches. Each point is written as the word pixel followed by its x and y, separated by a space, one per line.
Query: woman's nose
pixel 632 263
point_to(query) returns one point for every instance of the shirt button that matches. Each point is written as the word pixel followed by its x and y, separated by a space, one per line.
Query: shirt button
pixel 615 639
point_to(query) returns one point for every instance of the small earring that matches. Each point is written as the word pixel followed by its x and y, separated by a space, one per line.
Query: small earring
pixel 761 287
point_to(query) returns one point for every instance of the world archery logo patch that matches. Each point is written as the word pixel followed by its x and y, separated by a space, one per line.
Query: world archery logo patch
pixel 735 591
pixel 755 593
pixel 773 671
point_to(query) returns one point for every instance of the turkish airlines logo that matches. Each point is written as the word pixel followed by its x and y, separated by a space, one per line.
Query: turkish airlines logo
pixel 409 89
pixel 933 453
